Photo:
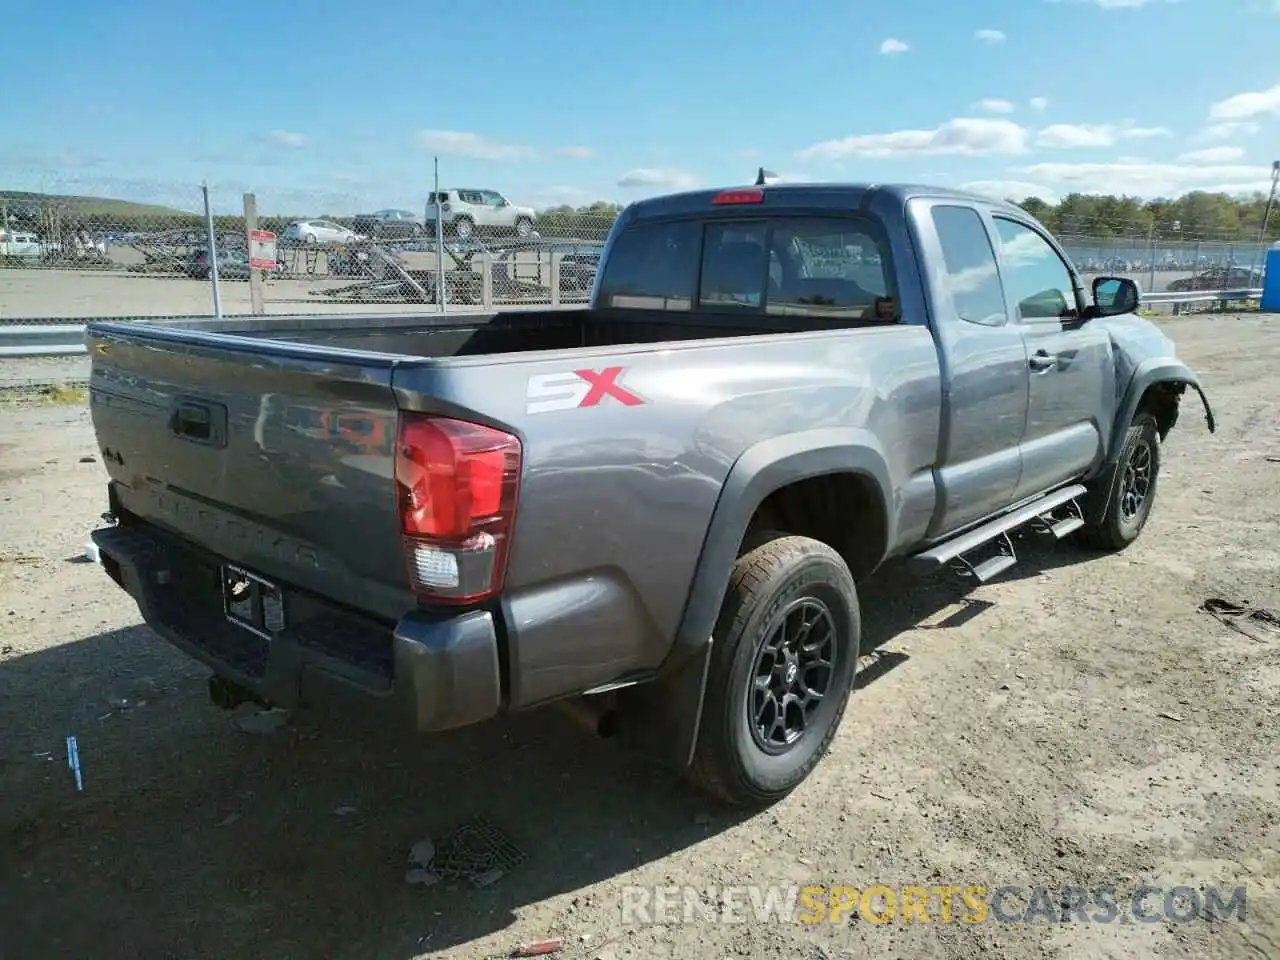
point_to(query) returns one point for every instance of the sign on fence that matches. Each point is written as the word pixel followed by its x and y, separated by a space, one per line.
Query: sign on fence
pixel 262 250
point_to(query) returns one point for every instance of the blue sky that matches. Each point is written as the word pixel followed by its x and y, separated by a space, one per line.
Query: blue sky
pixel 334 107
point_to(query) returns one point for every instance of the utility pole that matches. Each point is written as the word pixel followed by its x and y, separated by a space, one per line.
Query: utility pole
pixel 1271 202
pixel 442 298
pixel 213 252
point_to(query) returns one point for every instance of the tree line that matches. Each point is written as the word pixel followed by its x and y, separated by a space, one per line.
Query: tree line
pixel 1193 216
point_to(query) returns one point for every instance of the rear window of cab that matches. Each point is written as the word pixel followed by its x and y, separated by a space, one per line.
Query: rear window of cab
pixel 838 267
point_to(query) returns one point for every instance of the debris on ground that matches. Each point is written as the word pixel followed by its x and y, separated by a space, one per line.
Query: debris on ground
pixel 343 811
pixel 228 820
pixel 1171 716
pixel 418 877
pixel 540 949
pixel 420 874
pixel 264 721
pixel 1256 623
pixel 422 853
pixel 73 761
pixel 476 852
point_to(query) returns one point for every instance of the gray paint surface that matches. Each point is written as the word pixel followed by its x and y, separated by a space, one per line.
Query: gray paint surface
pixel 628 516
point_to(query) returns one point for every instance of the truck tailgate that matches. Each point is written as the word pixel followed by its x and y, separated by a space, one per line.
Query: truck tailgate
pixel 275 456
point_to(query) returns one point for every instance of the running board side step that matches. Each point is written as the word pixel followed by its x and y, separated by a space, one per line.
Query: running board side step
pixel 952 553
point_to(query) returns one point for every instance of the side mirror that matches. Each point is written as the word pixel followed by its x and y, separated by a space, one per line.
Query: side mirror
pixel 1115 295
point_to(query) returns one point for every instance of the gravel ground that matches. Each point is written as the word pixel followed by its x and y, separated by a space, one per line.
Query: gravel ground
pixel 1078 723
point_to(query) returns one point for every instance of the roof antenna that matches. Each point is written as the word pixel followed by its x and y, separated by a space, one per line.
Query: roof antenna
pixel 765 177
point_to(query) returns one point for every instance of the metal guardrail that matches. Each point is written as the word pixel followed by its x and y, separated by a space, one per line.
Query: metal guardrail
pixel 1201 296
pixel 41 340
pixel 38 337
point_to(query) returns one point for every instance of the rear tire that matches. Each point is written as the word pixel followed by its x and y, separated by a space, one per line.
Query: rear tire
pixel 464 228
pixel 791 605
pixel 524 227
pixel 1129 488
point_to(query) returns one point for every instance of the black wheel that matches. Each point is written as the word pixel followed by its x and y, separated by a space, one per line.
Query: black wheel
pixel 463 228
pixel 524 227
pixel 1129 488
pixel 782 667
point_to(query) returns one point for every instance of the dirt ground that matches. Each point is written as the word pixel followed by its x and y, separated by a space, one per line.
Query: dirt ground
pixel 1078 723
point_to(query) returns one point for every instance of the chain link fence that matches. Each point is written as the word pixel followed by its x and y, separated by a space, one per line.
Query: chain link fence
pixel 68 256
pixel 64 255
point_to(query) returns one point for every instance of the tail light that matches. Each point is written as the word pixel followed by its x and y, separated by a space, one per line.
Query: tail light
pixel 731 197
pixel 457 484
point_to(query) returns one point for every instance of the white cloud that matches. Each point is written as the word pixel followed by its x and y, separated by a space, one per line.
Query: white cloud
pixel 1149 179
pixel 1144 133
pixel 1070 136
pixel 1038 103
pixel 1244 106
pixel 995 106
pixel 665 179
pixel 964 136
pixel 987 35
pixel 1213 155
pixel 1011 190
pixel 288 139
pixel 1066 136
pixel 892 46
pixel 1217 132
pixel 472 146
pixel 578 153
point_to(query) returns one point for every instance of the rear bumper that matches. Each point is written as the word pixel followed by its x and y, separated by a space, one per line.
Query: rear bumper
pixel 434 672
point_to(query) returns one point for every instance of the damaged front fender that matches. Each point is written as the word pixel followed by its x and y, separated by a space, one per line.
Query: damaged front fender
pixel 1156 374
pixel 1208 410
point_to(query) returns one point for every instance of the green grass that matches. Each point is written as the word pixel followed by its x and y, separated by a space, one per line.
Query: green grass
pixel 95 207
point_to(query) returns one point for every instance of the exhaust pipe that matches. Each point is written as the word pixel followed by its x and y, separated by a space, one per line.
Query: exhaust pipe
pixel 598 720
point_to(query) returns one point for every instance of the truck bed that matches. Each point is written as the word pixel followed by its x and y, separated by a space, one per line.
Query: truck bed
pixel 505 332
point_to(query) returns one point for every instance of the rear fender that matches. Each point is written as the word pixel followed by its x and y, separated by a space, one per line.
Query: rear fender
pixel 662 717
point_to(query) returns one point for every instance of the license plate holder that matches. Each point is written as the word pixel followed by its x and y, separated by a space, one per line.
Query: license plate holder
pixel 252 602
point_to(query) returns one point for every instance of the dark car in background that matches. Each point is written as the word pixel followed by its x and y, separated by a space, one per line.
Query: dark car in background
pixel 389 224
pixel 1219 278
pixel 233 264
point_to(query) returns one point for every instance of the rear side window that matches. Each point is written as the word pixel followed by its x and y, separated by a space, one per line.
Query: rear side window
pixel 971 265
pixel 651 266
pixel 831 267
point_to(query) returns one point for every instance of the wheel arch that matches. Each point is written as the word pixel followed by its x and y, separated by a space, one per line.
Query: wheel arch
pixel 1156 386
pixel 668 711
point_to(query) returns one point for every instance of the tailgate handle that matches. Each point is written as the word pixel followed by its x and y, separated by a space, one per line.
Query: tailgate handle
pixel 200 422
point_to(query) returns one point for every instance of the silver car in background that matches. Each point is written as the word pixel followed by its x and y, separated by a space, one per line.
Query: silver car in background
pixel 318 231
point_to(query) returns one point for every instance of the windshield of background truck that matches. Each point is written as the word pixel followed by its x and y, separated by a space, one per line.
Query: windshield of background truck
pixel 826 266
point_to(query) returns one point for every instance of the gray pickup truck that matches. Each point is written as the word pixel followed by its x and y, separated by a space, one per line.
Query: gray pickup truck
pixel 653 511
